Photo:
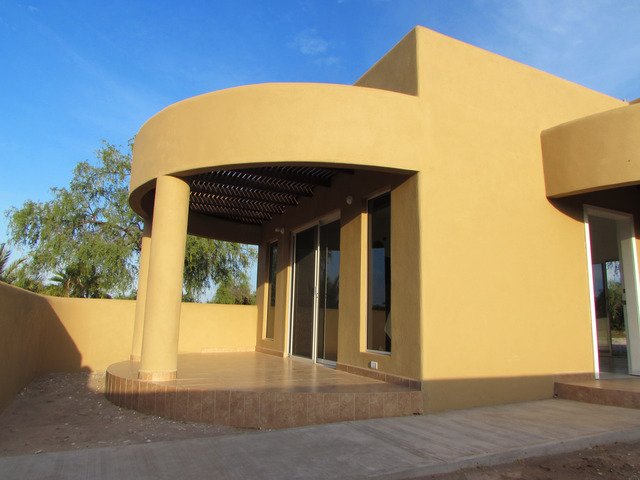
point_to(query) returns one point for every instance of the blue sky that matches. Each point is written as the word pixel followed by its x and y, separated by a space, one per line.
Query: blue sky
pixel 77 72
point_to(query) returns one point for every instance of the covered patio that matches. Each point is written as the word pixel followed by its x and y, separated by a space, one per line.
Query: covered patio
pixel 256 390
pixel 218 166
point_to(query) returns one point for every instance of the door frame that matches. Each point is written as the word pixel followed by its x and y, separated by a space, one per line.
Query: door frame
pixel 628 257
pixel 317 222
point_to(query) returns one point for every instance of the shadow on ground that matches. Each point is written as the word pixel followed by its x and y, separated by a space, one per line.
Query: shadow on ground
pixel 68 411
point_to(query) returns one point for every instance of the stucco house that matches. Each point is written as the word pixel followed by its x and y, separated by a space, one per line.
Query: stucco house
pixel 436 236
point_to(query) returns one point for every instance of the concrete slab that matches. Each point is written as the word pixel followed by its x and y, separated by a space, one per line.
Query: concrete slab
pixel 389 448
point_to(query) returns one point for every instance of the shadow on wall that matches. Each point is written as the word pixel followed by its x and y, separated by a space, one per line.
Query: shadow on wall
pixel 42 334
pixel 28 326
pixel 623 199
pixel 461 393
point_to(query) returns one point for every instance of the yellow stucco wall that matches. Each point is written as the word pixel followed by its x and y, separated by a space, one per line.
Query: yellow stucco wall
pixel 22 317
pixel 100 330
pixel 594 153
pixel 255 124
pixel 206 327
pixel 41 334
pixel 505 292
pixel 397 71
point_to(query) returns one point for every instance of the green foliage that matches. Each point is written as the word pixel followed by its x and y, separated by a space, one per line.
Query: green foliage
pixel 8 271
pixel 85 241
pixel 30 282
pixel 235 291
pixel 214 261
pixel 86 233
pixel 76 281
pixel 615 307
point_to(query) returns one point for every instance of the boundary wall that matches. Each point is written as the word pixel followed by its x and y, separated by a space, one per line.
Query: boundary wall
pixel 41 334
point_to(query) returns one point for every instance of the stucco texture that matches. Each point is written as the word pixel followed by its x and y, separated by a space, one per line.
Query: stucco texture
pixel 601 151
pixel 41 334
pixel 505 286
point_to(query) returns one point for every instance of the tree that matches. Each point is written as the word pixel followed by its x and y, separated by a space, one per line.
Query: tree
pixel 86 239
pixel 72 282
pixel 8 271
pixel 235 291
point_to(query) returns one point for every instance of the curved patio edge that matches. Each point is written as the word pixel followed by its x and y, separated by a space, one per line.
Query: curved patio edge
pixel 257 409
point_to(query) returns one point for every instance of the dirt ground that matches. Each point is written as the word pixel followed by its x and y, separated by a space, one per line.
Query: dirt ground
pixel 610 462
pixel 69 412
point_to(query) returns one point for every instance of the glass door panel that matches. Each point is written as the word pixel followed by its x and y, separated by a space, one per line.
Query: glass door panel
pixel 328 288
pixel 304 303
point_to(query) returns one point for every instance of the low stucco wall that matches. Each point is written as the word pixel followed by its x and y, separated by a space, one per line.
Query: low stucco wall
pixel 206 328
pixel 22 316
pixel 101 331
pixel 42 334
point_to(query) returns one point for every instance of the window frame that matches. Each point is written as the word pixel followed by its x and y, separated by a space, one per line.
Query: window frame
pixel 368 199
pixel 268 293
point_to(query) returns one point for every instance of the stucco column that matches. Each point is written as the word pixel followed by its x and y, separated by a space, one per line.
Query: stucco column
pixel 164 285
pixel 141 298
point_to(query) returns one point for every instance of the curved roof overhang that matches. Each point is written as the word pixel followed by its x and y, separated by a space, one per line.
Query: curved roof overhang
pixel 593 153
pixel 274 139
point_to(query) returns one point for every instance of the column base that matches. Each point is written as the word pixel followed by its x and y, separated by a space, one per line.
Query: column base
pixel 157 376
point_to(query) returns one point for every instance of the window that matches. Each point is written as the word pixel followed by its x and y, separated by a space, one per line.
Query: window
pixel 271 289
pixel 379 313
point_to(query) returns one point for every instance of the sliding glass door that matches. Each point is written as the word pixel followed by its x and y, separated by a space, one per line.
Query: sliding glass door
pixel 316 281
pixel 328 287
pixel 304 292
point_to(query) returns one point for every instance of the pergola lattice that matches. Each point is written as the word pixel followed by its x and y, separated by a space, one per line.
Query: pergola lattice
pixel 255 195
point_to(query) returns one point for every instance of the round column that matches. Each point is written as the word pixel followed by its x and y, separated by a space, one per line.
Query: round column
pixel 141 298
pixel 159 359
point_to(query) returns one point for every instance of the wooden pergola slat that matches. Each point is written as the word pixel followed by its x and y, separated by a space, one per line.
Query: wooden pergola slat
pixel 255 195
pixel 234 191
pixel 237 202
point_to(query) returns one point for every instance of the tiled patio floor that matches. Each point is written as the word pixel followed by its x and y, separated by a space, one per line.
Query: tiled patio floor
pixel 255 390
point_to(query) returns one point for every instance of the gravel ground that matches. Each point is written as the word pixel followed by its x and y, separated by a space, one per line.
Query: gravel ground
pixel 69 412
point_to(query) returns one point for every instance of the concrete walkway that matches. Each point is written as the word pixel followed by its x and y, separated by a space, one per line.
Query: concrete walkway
pixel 390 448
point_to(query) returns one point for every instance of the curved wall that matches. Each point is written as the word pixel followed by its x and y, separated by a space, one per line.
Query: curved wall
pixel 278 123
pixel 593 153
